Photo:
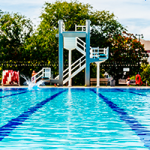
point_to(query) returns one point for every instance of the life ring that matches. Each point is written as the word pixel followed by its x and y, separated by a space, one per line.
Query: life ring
pixel 138 80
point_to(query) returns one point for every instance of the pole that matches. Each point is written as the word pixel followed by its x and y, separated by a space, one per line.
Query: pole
pixel 61 65
pixel 87 69
pixel 70 81
pixel 98 73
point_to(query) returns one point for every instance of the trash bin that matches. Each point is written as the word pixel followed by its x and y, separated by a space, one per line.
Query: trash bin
pixel 112 83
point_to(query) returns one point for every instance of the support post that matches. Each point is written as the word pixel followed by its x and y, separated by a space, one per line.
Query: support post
pixel 61 65
pixel 98 74
pixel 70 81
pixel 87 69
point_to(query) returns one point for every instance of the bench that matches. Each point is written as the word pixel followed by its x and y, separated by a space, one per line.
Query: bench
pixel 102 81
pixel 123 82
pixel 132 82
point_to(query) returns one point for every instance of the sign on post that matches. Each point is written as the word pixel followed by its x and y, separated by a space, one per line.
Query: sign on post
pixel 126 69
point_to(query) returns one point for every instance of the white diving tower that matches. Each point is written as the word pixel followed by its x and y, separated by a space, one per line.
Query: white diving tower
pixel 70 40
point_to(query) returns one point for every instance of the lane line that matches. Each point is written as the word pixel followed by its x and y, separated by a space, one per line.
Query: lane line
pixel 14 123
pixel 133 92
pixel 139 129
pixel 13 94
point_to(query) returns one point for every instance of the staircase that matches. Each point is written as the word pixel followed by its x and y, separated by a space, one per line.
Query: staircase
pixel 75 68
pixel 80 64
pixel 80 46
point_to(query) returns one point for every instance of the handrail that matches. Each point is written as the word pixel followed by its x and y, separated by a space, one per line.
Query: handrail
pixel 81 40
pixel 39 76
pixel 96 52
pixel 74 63
pixel 81 43
pixel 78 60
pixel 38 72
pixel 63 27
pixel 70 66
pixel 75 67
pixel 42 75
pixel 74 73
pixel 80 26
pixel 36 75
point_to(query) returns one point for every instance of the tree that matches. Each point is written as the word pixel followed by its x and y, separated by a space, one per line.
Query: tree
pixel 104 25
pixel 15 29
pixel 145 73
pixel 125 50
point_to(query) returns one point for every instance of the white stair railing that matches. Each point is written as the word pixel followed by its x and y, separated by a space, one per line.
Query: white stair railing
pixel 83 28
pixel 96 52
pixel 35 78
pixel 74 68
pixel 74 73
pixel 63 27
pixel 80 45
pixel 44 72
pixel 77 63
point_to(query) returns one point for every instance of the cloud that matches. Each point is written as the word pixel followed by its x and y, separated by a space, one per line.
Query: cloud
pixel 18 2
pixel 124 8
pixel 138 30
pixel 137 26
pixel 133 14
pixel 145 32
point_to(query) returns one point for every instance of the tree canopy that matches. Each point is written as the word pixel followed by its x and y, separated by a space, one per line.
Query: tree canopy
pixel 145 73
pixel 125 52
pixel 18 41
pixel 15 29
pixel 103 26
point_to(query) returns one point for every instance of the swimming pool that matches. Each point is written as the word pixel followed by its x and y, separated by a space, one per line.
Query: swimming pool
pixel 74 118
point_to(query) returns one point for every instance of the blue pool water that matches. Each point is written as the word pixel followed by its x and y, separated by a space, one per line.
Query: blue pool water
pixel 74 119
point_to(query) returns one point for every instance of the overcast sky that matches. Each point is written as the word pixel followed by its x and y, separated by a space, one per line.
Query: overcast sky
pixel 133 14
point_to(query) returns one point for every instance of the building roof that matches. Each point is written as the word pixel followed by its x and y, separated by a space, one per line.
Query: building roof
pixel 146 44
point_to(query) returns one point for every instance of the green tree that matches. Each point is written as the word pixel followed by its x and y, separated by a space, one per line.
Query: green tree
pixel 145 73
pixel 125 50
pixel 15 29
pixel 104 25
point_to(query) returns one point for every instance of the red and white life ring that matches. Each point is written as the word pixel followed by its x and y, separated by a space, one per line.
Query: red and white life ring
pixel 138 79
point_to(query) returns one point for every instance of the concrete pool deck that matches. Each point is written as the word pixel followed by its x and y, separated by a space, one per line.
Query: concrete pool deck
pixel 143 87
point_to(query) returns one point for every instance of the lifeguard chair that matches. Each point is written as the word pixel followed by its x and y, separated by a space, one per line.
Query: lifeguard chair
pixel 44 74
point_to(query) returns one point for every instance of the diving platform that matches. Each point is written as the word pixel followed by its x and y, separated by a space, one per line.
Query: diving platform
pixel 75 40
pixel 74 34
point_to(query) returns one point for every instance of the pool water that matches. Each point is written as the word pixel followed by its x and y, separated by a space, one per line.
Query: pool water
pixel 74 119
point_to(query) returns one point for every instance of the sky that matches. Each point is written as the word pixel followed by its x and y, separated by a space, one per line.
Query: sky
pixel 132 14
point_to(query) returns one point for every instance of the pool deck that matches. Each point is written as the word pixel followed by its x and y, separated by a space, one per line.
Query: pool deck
pixel 143 87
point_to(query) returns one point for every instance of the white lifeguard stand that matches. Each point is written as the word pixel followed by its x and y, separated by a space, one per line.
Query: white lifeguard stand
pixel 44 74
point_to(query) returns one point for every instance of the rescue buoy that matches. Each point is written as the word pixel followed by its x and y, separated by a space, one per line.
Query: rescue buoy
pixel 138 79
